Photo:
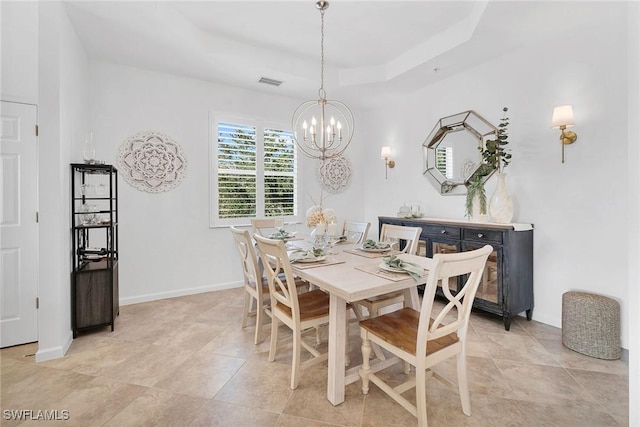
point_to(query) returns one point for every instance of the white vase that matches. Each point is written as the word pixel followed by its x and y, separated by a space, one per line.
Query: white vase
pixel 501 205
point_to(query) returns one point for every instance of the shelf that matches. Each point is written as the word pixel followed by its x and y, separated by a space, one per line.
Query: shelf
pixel 79 227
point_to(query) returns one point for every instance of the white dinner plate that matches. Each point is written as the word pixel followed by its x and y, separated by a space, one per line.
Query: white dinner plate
pixel 308 260
pixel 386 267
pixel 375 250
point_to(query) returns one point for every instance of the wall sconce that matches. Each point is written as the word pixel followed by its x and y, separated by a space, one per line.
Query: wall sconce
pixel 385 154
pixel 562 119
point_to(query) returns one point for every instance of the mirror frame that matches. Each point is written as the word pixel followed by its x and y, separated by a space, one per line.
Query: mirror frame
pixel 479 129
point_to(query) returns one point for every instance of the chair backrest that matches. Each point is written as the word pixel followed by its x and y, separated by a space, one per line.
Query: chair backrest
pixel 432 325
pixel 398 232
pixel 282 283
pixel 265 226
pixel 248 259
pixel 356 232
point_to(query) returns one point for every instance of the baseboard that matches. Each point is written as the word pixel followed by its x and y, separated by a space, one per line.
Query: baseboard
pixel 178 293
pixel 43 355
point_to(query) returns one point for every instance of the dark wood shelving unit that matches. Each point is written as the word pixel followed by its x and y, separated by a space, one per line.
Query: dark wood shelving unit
pixel 94 229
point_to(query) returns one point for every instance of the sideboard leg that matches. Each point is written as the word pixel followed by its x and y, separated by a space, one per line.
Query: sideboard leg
pixel 507 322
pixel 529 314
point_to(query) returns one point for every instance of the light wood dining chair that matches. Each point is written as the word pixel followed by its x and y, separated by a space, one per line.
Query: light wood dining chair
pixel 266 226
pixel 256 289
pixel 356 232
pixel 390 232
pixel 427 337
pixel 299 312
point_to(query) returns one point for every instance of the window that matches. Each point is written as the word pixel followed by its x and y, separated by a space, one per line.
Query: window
pixel 444 161
pixel 254 172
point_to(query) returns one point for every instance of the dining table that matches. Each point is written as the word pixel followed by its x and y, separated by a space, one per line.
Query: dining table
pixel 349 274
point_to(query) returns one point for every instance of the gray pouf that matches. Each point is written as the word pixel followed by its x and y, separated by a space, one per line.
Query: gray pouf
pixel 591 324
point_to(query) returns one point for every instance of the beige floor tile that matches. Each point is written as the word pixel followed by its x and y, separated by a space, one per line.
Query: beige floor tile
pixel 574 360
pixel 543 384
pixel 291 421
pixel 221 414
pixel 483 375
pixel 189 335
pixel 537 329
pixel 158 408
pixel 106 354
pixel 148 367
pixel 259 384
pixel 612 391
pixel 40 388
pixel 96 403
pixel 567 414
pixel 519 348
pixel 202 375
pixel 310 400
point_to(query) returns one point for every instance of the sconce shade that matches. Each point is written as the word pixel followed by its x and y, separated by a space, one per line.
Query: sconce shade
pixel 385 153
pixel 562 116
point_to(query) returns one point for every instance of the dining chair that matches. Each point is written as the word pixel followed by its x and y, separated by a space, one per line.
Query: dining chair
pixel 265 226
pixel 356 232
pixel 427 337
pixel 393 233
pixel 256 288
pixel 252 274
pixel 299 312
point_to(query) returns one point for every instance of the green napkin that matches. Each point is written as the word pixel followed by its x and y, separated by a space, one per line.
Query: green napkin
pixel 416 271
pixel 372 244
pixel 281 235
pixel 301 254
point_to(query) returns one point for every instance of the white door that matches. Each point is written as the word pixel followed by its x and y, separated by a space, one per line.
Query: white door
pixel 18 225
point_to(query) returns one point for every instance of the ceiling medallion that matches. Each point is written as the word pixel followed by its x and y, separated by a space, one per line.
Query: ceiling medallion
pixel 334 174
pixel 152 161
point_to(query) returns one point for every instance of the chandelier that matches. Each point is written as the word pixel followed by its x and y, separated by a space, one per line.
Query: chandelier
pixel 322 128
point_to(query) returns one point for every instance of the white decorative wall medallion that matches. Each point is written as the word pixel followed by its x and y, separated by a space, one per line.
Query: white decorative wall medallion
pixel 334 174
pixel 152 161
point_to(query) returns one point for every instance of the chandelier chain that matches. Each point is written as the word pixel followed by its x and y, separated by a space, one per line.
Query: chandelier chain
pixel 321 91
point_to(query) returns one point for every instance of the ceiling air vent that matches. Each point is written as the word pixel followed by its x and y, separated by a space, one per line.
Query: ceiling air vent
pixel 268 81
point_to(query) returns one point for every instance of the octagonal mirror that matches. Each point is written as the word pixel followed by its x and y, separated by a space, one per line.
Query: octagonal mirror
pixel 452 151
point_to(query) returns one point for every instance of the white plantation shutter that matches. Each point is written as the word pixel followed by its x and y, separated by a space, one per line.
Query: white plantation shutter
pixel 236 171
pixel 254 173
pixel 280 184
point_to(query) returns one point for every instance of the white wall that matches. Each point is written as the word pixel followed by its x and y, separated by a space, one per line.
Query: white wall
pixel 63 117
pixel 580 208
pixel 19 52
pixel 166 245
pixel 634 211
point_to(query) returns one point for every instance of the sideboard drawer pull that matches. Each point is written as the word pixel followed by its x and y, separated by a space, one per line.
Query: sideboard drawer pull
pixel 480 235
pixel 443 231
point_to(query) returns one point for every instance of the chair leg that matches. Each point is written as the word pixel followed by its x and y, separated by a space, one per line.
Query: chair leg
pixel 421 397
pixel 275 324
pixel 245 310
pixel 295 363
pixel 259 321
pixel 366 369
pixel 347 344
pixel 463 383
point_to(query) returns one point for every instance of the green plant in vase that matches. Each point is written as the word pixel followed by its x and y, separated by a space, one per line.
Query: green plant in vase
pixel 475 188
pixel 495 154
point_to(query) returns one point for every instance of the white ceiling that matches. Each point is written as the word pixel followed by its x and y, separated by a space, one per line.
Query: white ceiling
pixel 373 49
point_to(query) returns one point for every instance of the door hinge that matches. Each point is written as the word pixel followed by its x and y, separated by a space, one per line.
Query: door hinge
pixel 37 130
pixel 37 216
pixel 37 303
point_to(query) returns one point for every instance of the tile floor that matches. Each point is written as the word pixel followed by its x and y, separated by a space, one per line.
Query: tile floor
pixel 186 362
